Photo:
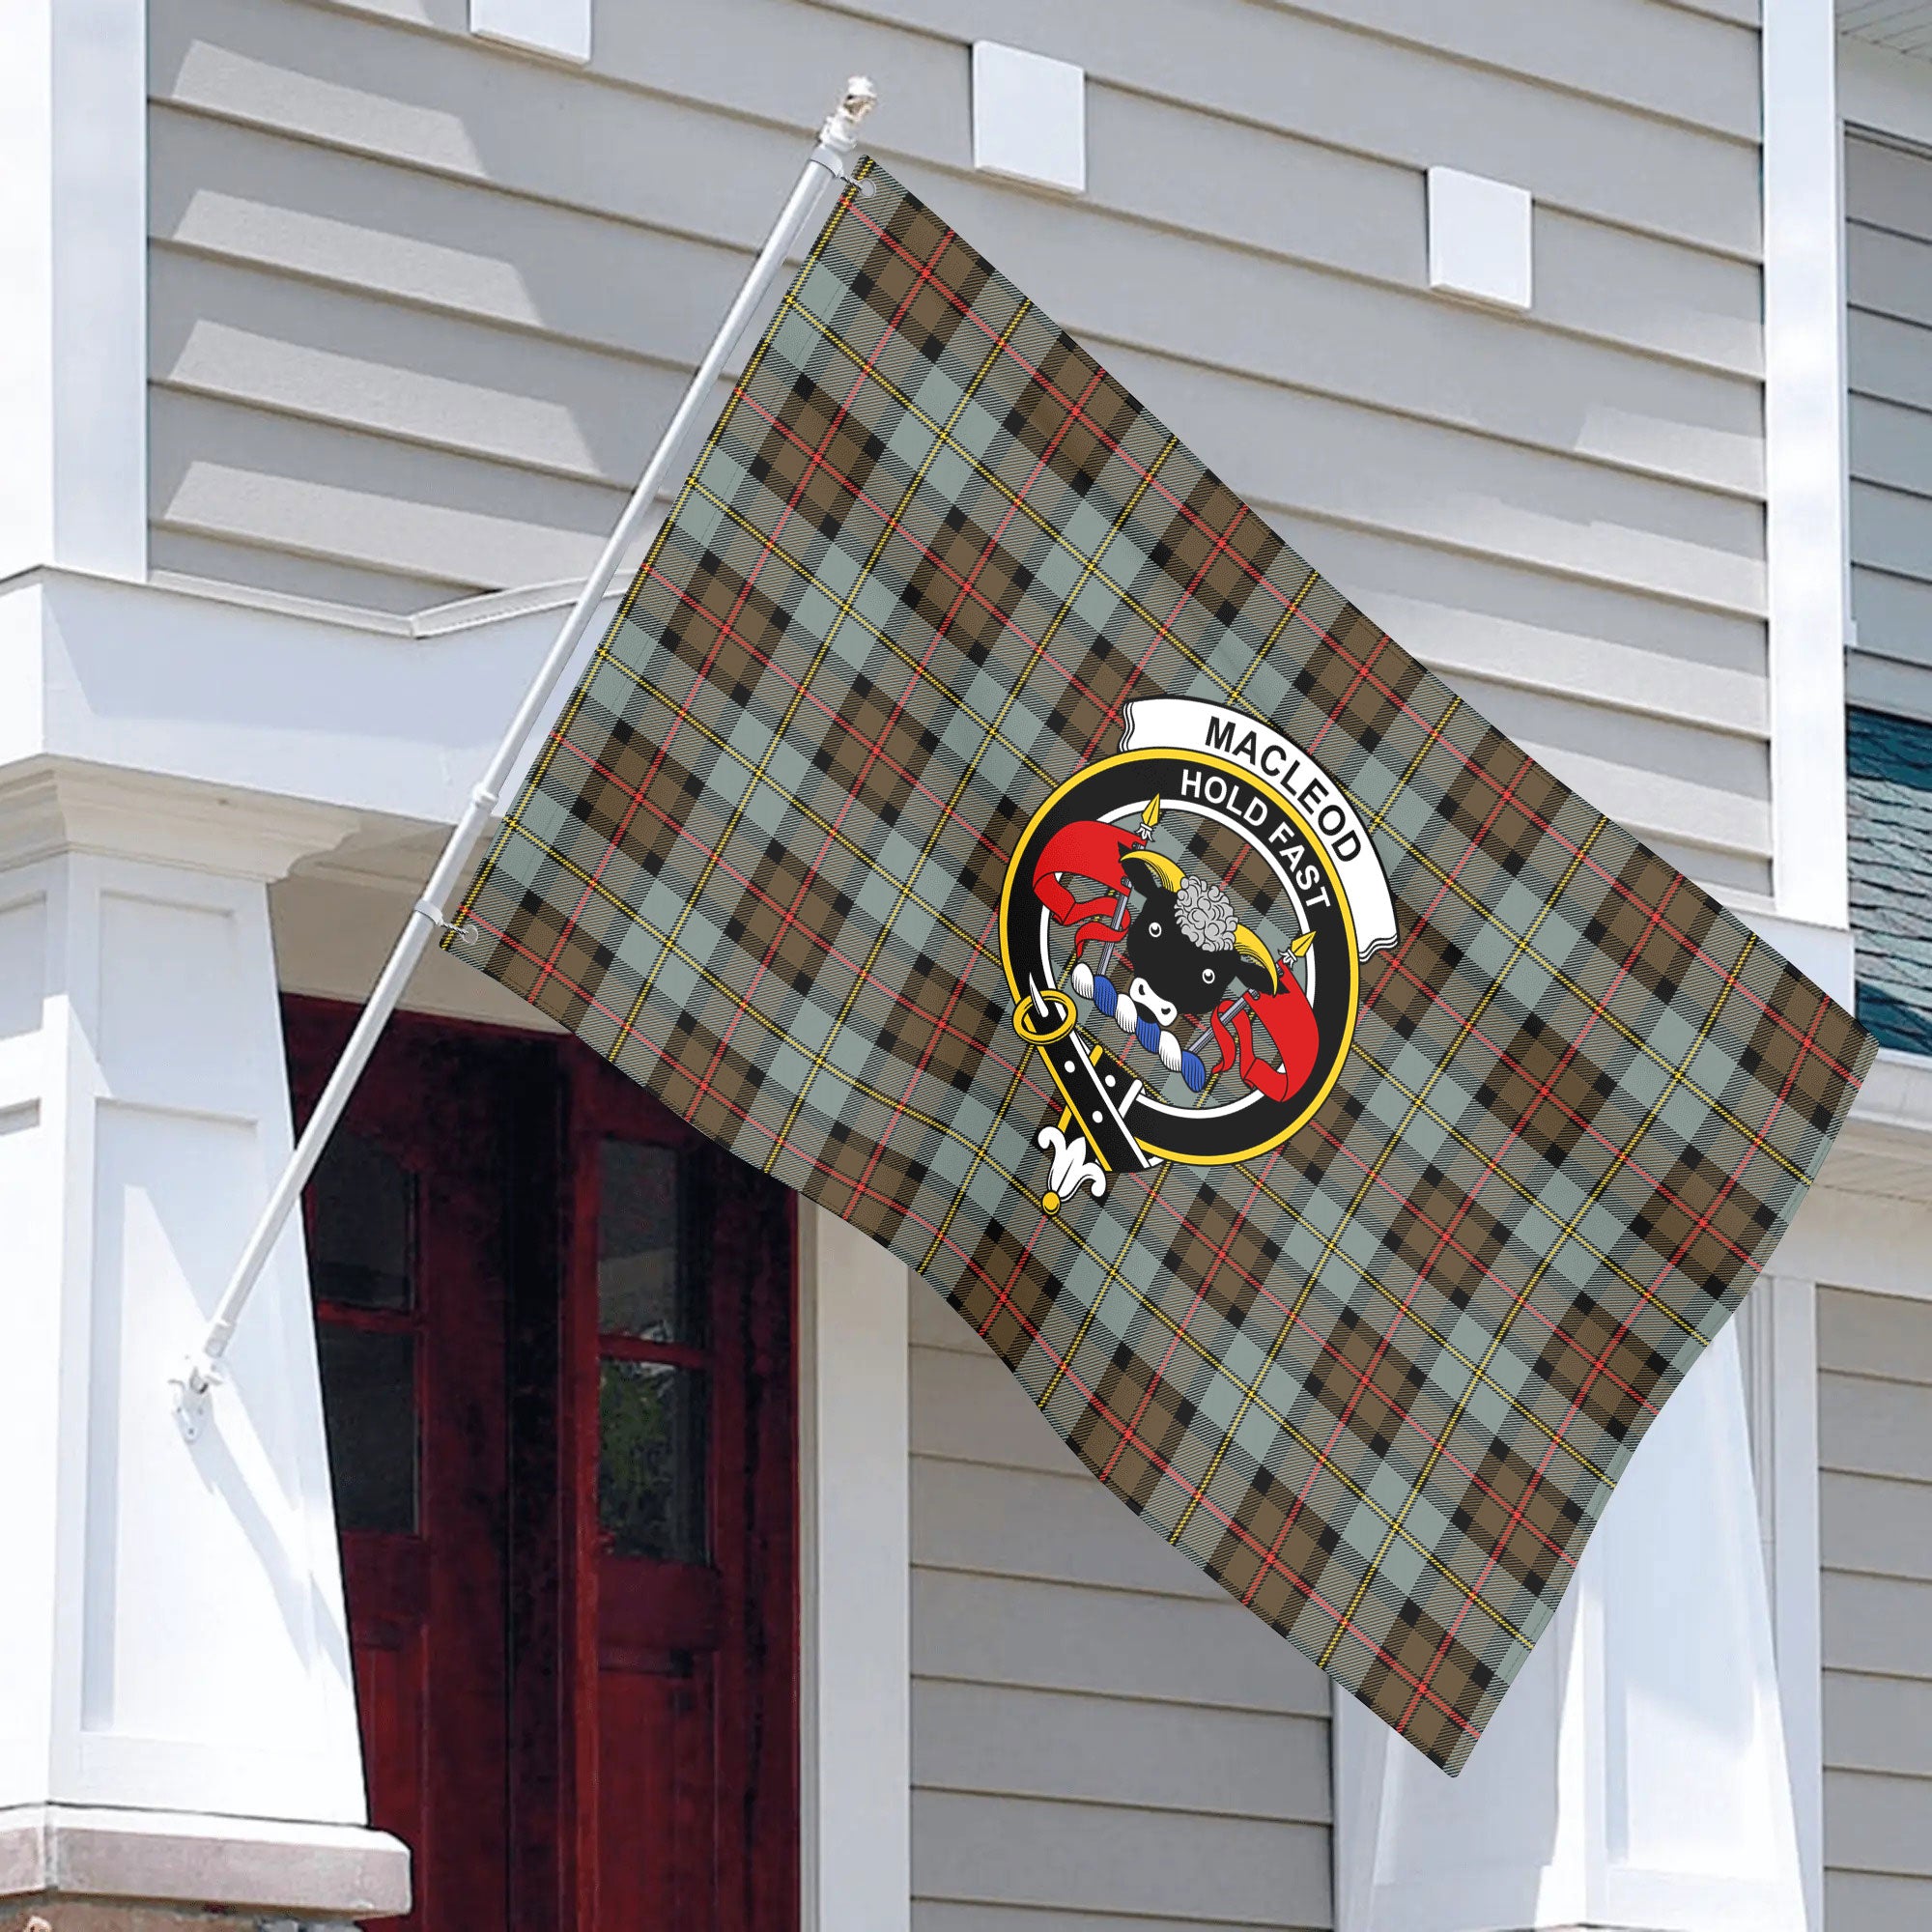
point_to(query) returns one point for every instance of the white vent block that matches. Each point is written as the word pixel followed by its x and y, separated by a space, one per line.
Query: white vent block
pixel 1479 238
pixel 1029 117
pixel 558 28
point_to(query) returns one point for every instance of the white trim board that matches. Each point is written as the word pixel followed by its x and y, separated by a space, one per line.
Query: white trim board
pixel 855 1475
pixel 1806 490
pixel 263 696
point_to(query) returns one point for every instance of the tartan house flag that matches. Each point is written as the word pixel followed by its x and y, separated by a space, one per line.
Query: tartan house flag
pixel 979 819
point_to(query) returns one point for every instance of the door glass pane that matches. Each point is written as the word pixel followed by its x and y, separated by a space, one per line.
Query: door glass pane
pixel 650 1471
pixel 363 1250
pixel 646 1272
pixel 369 1401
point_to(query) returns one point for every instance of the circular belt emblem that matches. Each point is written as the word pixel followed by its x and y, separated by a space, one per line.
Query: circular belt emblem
pixel 1183 926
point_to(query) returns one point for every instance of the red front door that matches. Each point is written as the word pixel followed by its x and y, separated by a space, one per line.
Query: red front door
pixel 555 1340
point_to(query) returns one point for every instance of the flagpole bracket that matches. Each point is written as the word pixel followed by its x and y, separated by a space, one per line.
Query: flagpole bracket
pixel 192 1386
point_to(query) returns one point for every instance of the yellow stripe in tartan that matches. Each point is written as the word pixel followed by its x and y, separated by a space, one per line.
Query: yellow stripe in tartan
pixel 1432 733
pixel 966 772
pixel 1107 1280
pixel 898 650
pixel 1331 1245
pixel 983 1153
pixel 805 685
pixel 1032 516
pixel 563 727
pixel 1013 697
pixel 1280 623
pixel 1394 1140
pixel 1522 1299
pixel 726 748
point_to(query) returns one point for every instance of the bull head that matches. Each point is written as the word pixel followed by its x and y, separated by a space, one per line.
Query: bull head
pixel 1186 943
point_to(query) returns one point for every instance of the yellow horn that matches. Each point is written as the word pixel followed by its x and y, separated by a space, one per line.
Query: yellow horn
pixel 1250 948
pixel 1158 863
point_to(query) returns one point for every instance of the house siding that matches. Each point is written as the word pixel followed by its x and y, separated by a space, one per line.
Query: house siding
pixel 1875 1457
pixel 1889 368
pixel 1100 1738
pixel 420 305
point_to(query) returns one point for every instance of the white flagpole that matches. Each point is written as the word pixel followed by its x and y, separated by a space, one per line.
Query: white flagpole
pixel 197 1376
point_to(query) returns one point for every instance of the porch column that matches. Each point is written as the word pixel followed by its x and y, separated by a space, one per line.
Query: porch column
pixel 855 1515
pixel 177 1715
pixel 1635 1775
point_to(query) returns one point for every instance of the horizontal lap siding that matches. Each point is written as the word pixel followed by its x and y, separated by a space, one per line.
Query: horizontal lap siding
pixel 1100 1738
pixel 1888 349
pixel 1875 1451
pixel 420 307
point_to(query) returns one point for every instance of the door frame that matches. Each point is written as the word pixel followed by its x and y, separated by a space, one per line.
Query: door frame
pixel 551 1555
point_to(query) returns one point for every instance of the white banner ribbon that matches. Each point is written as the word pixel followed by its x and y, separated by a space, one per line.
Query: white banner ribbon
pixel 1187 724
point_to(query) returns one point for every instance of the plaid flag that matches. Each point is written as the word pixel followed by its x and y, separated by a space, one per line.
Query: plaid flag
pixel 979 819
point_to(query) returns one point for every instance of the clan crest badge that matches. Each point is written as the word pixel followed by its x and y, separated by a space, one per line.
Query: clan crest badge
pixel 1184 928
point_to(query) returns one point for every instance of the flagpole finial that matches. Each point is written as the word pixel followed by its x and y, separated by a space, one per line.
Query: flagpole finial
pixel 842 125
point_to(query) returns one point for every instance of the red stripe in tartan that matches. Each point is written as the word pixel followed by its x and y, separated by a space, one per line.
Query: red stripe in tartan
pixel 1047 1097
pixel 1208 1274
pixel 1002 1296
pixel 811 697
pixel 1327 1346
pixel 724 630
pixel 876 750
pixel 1807 1041
pixel 938 563
pixel 1355 685
pixel 811 934
pixel 1543 1093
pixel 1622 1155
pixel 1200 1497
